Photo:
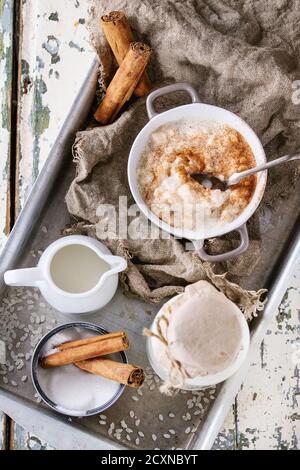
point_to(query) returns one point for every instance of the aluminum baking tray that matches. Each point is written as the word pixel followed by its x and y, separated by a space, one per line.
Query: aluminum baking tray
pixel 142 419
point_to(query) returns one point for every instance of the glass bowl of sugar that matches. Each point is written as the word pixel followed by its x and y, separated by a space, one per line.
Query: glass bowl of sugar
pixel 68 389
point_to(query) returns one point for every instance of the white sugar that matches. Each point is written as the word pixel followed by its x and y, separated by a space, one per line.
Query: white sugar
pixel 71 388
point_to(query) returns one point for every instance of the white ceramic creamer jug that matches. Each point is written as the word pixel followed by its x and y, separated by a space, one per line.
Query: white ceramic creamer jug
pixel 75 274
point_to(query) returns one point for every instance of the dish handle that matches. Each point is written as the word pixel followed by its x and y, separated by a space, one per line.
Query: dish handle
pixel 243 246
pixel 23 277
pixel 165 90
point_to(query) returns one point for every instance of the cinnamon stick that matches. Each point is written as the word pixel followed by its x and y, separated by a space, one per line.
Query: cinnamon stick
pixel 126 374
pixel 119 36
pixel 124 82
pixel 90 339
pixel 106 344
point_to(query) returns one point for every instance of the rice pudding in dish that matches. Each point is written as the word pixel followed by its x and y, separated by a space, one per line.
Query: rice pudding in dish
pixel 178 150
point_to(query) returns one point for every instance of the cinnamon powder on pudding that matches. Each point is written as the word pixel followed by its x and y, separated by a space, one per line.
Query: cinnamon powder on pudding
pixel 177 151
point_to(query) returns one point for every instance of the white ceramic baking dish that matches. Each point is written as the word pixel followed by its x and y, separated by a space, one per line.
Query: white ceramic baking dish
pixel 204 112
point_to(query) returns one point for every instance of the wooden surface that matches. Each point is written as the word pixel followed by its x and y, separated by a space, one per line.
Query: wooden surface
pixel 6 22
pixel 54 55
pixel 267 412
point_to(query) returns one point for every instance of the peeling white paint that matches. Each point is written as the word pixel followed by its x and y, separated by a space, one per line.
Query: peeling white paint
pixel 269 403
pixel 28 55
pixel 56 66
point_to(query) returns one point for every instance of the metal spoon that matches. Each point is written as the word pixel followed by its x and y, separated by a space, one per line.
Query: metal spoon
pixel 213 182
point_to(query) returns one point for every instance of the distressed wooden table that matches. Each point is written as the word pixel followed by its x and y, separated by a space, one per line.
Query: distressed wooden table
pixel 44 55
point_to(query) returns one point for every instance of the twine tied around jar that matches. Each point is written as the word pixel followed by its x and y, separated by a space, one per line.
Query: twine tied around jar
pixel 177 372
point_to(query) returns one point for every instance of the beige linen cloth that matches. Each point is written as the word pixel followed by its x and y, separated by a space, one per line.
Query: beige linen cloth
pixel 241 55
